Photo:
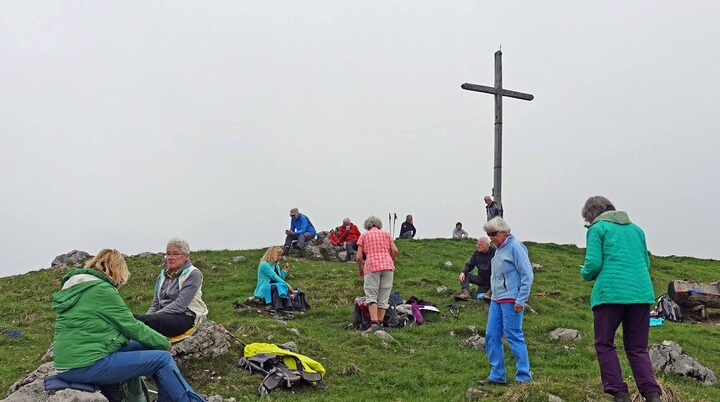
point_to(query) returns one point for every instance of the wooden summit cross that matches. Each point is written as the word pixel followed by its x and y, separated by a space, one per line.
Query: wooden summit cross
pixel 499 92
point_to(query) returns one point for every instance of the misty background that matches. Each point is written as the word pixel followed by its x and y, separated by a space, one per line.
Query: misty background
pixel 126 123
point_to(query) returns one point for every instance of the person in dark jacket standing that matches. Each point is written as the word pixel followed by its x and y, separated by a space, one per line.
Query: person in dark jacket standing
pixel 97 339
pixel 407 229
pixel 481 259
pixel 493 209
pixel 617 260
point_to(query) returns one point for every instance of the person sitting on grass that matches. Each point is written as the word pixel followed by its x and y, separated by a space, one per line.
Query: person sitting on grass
pixel 97 339
pixel 458 232
pixel 481 259
pixel 271 287
pixel 177 304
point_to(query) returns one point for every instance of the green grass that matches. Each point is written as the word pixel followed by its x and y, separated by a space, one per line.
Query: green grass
pixel 424 365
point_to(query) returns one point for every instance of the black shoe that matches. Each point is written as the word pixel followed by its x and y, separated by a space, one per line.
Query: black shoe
pixel 488 381
pixel 621 396
pixel 652 397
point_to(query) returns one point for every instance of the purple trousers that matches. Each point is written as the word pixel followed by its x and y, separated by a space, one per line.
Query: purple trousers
pixel 635 319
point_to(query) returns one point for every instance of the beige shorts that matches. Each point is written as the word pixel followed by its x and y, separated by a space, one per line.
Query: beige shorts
pixel 378 286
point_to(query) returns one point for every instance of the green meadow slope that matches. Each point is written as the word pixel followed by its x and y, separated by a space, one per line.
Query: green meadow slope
pixel 425 364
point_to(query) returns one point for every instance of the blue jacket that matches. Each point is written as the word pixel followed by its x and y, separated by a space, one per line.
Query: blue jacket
pixel 512 274
pixel 266 273
pixel 301 225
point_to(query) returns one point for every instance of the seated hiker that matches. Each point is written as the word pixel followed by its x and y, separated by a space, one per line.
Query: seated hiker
pixel 407 229
pixel 349 233
pixel 301 231
pixel 271 286
pixel 177 304
pixel 459 233
pixel 97 339
pixel 481 259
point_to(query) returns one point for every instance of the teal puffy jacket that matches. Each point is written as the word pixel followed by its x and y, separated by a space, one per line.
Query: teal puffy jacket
pixel 617 260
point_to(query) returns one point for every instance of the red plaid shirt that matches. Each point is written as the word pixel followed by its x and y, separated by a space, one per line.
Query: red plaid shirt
pixel 376 245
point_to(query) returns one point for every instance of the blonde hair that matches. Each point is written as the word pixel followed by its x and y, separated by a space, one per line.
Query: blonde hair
pixel 112 264
pixel 272 254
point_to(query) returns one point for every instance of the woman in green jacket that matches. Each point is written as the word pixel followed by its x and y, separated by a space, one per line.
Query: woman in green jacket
pixel 617 260
pixel 97 339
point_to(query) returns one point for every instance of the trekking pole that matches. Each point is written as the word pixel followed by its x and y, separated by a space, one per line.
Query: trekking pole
pixel 389 220
pixel 394 221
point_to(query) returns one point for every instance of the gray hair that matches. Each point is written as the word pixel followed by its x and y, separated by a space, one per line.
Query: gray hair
pixel 594 206
pixel 484 240
pixel 371 222
pixel 496 225
pixel 179 243
pixel 346 220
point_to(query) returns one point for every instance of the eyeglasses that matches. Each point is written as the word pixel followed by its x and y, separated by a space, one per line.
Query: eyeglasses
pixel 492 234
pixel 173 255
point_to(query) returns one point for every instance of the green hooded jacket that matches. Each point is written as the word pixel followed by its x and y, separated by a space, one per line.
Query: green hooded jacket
pixel 93 321
pixel 617 260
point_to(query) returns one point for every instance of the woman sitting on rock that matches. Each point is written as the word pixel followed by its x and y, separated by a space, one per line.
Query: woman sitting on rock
pixel 177 301
pixel 97 339
pixel 271 286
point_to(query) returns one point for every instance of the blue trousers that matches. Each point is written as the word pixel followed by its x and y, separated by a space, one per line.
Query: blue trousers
pixel 133 361
pixel 504 321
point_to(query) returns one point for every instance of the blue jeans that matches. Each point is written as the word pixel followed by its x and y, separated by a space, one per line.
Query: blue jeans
pixel 133 361
pixel 503 320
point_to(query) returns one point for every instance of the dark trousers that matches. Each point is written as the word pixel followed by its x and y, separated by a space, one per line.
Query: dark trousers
pixel 278 303
pixel 635 319
pixel 168 324
pixel 351 249
pixel 475 280
pixel 302 239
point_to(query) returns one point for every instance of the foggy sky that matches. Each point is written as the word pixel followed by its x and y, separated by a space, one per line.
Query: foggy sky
pixel 126 123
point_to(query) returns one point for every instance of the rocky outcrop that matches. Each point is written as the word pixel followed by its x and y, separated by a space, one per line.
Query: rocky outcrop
pixel 209 340
pixel 30 389
pixel 669 357
pixel 74 259
pixel 320 248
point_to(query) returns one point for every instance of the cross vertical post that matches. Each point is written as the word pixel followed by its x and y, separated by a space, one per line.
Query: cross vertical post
pixel 498 91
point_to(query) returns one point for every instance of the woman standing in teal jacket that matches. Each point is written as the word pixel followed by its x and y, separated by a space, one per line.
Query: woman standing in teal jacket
pixel 271 286
pixel 617 260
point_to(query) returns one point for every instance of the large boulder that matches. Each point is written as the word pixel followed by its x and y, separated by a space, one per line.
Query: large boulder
pixel 208 341
pixel 669 357
pixel 30 389
pixel 74 258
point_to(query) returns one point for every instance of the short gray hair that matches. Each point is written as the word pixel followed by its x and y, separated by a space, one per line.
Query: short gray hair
pixel 179 243
pixel 346 220
pixel 496 225
pixel 594 206
pixel 484 240
pixel 372 222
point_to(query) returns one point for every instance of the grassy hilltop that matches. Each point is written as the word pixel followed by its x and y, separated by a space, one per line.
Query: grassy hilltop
pixel 425 365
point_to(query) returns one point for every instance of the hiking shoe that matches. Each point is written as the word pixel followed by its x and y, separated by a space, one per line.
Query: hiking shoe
pixel 621 396
pixel 464 296
pixel 374 327
pixel 652 397
pixel 488 381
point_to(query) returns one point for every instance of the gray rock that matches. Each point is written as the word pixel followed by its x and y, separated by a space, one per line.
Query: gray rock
pixel 209 340
pixel 384 335
pixel 565 334
pixel 147 254
pixel 30 389
pixel 239 258
pixel 475 393
pixel 74 258
pixel 312 252
pixel 448 264
pixel 554 398
pixel 294 331
pixel 536 267
pixel 473 342
pixel 342 255
pixel 473 329
pixel 442 289
pixel 669 357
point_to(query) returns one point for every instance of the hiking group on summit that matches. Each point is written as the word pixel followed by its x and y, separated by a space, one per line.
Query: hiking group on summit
pixel 99 341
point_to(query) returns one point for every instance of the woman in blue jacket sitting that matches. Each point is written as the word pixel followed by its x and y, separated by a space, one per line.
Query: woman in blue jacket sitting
pixel 271 286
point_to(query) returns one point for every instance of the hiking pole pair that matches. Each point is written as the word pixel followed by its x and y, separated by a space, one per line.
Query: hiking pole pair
pixel 392 218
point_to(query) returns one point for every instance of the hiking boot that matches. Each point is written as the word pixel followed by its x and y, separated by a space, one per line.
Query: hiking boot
pixel 488 381
pixel 652 397
pixel 373 328
pixel 621 396
pixel 464 296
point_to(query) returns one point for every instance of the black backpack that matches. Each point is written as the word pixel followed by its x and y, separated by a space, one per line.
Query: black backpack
pixel 298 301
pixel 667 308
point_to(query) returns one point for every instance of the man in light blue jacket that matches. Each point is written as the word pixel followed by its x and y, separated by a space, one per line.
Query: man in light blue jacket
pixel 510 281
pixel 301 230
